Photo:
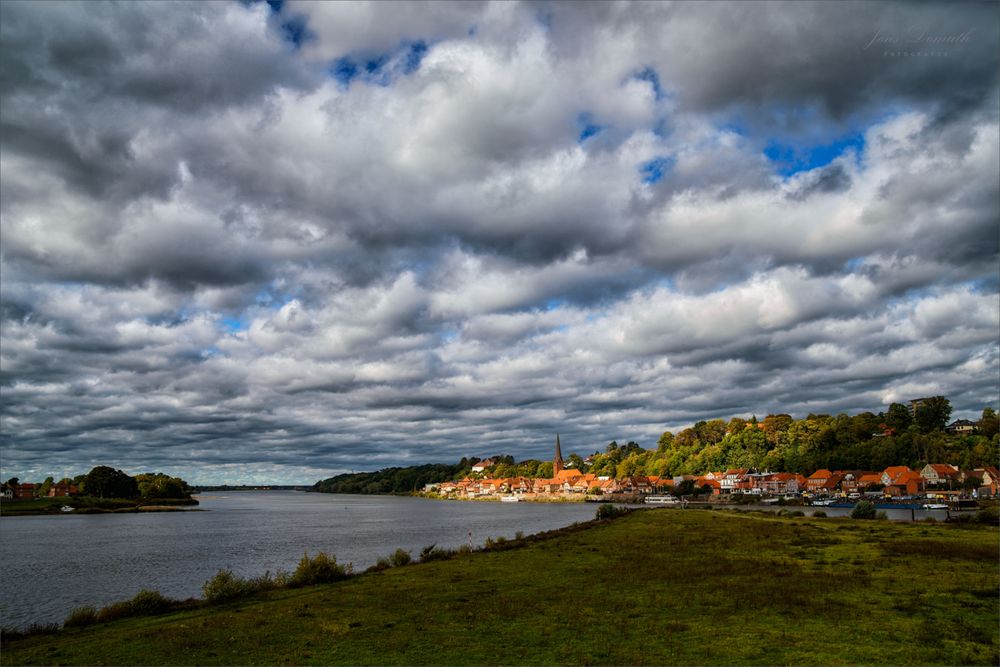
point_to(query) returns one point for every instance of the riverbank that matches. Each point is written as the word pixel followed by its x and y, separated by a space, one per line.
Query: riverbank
pixel 660 586
pixel 88 505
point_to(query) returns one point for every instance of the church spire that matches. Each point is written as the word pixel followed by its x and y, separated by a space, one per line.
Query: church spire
pixel 557 462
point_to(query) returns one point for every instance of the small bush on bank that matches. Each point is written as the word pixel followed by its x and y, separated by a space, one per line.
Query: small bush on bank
pixel 400 557
pixel 433 552
pixel 819 514
pixel 223 586
pixel 149 603
pixel 81 617
pixel 865 509
pixel 320 569
pixel 988 515
pixel 609 511
pixel 114 611
pixel 397 558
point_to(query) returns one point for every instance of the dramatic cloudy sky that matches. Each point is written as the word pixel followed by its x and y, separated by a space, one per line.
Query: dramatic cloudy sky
pixel 277 241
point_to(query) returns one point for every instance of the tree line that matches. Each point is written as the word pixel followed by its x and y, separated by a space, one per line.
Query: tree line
pixel 108 482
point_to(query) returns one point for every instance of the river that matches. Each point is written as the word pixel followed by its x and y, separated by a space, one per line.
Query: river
pixel 51 564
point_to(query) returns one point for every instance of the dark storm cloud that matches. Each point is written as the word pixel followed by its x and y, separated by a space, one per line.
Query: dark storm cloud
pixel 220 262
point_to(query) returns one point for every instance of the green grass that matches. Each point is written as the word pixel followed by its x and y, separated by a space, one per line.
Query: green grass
pixel 654 587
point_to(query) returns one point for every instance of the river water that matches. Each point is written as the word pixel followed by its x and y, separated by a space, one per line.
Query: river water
pixel 51 564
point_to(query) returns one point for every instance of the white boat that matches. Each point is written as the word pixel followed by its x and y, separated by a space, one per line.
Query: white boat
pixel 67 508
pixel 935 506
pixel 821 503
pixel 661 500
pixel 509 499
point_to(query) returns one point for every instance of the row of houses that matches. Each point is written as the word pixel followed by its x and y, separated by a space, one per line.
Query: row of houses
pixel 28 491
pixel 564 482
pixel 894 481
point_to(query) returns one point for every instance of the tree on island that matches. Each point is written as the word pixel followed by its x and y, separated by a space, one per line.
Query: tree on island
pixel 106 482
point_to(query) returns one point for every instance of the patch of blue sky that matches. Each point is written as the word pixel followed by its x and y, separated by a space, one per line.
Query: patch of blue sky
pixel 233 324
pixel 654 170
pixel 209 352
pixel 294 28
pixel 554 304
pixel 649 74
pixel 344 70
pixel 588 128
pixel 544 18
pixel 854 263
pixel 661 128
pixel 448 335
pixel 380 69
pixel 792 158
pixel 296 31
pixel 985 285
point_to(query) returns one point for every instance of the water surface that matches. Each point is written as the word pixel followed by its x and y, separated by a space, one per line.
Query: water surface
pixel 51 564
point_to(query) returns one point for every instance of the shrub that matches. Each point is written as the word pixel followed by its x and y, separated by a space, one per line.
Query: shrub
pixel 519 535
pixel 81 617
pixel 819 514
pixel 266 582
pixel 114 611
pixel 882 516
pixel 431 552
pixel 223 586
pixel 321 569
pixel 798 513
pixel 988 515
pixel 400 557
pixel 609 511
pixel 865 509
pixel 148 603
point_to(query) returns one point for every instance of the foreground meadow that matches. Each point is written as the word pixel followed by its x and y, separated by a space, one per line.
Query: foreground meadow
pixel 656 587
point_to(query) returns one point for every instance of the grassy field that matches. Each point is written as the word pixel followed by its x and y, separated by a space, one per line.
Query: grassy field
pixel 660 587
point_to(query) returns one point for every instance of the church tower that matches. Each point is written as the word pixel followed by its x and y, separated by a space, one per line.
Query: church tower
pixel 557 462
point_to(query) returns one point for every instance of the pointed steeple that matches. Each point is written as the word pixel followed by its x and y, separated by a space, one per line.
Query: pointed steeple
pixel 557 462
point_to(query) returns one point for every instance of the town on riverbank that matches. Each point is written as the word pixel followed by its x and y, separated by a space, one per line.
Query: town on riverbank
pixel 906 454
pixel 934 486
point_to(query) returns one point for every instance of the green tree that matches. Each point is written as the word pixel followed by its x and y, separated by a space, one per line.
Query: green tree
pixel 933 414
pixel 107 482
pixel 988 424
pixel 43 490
pixel 897 417
pixel 665 442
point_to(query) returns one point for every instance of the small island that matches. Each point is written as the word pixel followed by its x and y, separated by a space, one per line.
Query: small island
pixel 102 490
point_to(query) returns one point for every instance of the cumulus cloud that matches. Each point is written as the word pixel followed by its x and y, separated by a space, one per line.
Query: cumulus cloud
pixel 245 242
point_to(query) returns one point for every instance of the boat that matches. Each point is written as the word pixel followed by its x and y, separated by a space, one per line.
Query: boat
pixel 821 503
pixel 509 499
pixel 935 506
pixel 661 500
pixel 67 508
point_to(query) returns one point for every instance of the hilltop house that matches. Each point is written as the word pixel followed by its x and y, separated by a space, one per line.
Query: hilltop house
pixel 961 427
pixel 482 465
